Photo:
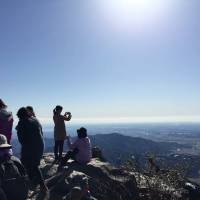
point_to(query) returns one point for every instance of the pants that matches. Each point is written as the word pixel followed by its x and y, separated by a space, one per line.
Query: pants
pixel 69 154
pixel 58 148
pixel 34 173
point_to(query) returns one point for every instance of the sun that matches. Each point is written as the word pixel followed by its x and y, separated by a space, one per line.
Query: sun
pixel 129 13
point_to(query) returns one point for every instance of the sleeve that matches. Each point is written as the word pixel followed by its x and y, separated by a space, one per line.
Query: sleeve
pixel 72 145
pixel 21 133
pixel 19 166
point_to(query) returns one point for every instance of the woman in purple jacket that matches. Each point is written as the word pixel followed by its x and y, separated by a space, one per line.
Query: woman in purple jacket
pixel 6 121
pixel 80 149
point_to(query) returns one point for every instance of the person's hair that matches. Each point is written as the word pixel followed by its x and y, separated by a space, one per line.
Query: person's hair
pixel 22 113
pixel 56 109
pixel 76 193
pixel 2 104
pixel 82 132
pixel 30 109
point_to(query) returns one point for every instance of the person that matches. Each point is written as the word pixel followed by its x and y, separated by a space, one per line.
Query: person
pixel 59 130
pixel 80 187
pixel 77 193
pixel 13 182
pixel 80 150
pixel 31 113
pixel 6 121
pixel 32 146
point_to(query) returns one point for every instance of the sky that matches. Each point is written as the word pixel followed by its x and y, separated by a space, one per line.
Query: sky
pixel 103 60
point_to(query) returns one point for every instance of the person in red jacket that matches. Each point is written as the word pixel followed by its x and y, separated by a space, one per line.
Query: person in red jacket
pixel 6 121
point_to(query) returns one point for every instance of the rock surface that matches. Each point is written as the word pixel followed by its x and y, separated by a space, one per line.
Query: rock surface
pixel 109 183
pixel 105 181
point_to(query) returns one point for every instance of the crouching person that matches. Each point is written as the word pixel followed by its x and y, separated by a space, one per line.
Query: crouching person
pixel 13 180
pixel 80 150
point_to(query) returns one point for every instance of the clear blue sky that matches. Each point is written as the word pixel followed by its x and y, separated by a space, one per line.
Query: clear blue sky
pixel 101 60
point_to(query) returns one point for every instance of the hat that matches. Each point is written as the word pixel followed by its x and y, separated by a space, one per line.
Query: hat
pixel 3 142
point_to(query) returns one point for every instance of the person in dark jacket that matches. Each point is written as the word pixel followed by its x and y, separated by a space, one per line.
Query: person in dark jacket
pixel 13 184
pixel 31 113
pixel 32 146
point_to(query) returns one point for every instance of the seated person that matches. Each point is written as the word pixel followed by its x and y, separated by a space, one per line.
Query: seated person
pixel 13 182
pixel 78 193
pixel 80 150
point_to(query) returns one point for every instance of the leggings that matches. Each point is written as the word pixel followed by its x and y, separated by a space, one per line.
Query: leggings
pixel 58 148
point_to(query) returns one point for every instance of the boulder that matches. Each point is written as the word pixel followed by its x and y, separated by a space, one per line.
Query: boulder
pixel 105 181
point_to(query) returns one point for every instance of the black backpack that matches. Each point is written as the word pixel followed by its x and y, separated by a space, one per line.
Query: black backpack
pixel 14 184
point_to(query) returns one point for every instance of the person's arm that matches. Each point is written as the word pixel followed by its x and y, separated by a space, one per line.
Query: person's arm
pixel 21 133
pixel 70 144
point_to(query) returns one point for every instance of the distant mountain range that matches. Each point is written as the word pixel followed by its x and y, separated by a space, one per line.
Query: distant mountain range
pixel 118 148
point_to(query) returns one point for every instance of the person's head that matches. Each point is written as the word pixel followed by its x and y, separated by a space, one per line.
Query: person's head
pixel 76 193
pixel 82 132
pixel 57 110
pixel 22 113
pixel 2 104
pixel 30 111
pixel 3 143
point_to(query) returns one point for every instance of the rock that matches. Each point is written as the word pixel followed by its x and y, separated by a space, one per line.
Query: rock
pixel 105 181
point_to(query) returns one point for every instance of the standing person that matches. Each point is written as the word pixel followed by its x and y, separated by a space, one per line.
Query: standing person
pixel 6 121
pixel 31 113
pixel 32 146
pixel 59 130
pixel 80 150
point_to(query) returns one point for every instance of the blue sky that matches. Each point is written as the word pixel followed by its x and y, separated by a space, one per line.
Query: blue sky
pixel 100 60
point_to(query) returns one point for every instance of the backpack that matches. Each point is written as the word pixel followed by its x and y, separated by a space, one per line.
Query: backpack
pixel 14 184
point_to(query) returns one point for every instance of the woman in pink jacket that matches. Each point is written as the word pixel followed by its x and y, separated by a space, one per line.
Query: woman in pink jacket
pixel 80 149
pixel 6 121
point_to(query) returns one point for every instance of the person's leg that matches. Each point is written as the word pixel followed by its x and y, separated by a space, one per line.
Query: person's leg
pixel 38 178
pixel 69 154
pixel 56 147
pixel 61 144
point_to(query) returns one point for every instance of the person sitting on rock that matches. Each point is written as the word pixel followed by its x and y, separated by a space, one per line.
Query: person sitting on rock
pixel 80 189
pixel 13 179
pixel 80 150
pixel 78 194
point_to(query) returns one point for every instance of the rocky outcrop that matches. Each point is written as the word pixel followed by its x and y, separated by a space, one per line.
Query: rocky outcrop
pixel 105 181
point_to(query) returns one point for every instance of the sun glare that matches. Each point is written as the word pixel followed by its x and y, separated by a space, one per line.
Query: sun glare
pixel 129 13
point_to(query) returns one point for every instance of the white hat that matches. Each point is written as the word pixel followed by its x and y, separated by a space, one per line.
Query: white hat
pixel 3 142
